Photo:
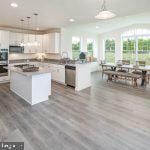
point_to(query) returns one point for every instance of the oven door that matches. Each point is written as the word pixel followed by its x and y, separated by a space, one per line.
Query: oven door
pixel 3 55
pixel 16 49
pixel 3 70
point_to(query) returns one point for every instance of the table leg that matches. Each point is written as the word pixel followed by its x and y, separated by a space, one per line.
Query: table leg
pixel 143 78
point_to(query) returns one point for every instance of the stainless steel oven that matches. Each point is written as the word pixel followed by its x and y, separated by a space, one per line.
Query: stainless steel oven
pixel 16 49
pixel 3 62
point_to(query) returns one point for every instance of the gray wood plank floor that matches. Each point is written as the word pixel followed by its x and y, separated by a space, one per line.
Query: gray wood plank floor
pixel 104 117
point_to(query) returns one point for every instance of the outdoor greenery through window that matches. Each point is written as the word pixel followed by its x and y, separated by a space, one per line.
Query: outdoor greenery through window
pixel 90 47
pixel 136 45
pixel 129 49
pixel 110 50
pixel 144 49
pixel 76 46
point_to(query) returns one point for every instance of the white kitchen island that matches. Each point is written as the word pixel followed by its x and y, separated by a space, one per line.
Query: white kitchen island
pixel 33 87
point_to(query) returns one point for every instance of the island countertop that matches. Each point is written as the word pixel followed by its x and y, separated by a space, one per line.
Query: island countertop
pixel 41 70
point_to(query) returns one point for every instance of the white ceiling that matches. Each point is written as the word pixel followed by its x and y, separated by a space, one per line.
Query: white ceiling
pixel 142 19
pixel 56 13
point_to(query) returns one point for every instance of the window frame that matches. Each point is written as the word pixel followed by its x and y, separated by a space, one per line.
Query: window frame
pixel 113 51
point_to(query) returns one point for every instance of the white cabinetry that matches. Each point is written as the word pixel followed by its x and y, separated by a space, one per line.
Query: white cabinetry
pixel 57 71
pixel 32 39
pixel 4 39
pixel 15 38
pixel 51 43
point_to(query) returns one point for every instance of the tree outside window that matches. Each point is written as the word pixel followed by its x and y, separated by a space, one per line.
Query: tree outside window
pixel 110 50
pixel 90 47
pixel 136 45
pixel 76 46
pixel 129 52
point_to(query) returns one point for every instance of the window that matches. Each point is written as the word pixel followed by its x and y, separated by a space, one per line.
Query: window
pixel 136 45
pixel 90 47
pixel 110 50
pixel 76 46
pixel 129 49
pixel 144 49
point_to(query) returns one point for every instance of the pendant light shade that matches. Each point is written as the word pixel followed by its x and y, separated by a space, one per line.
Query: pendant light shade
pixel 22 39
pixel 28 43
pixel 36 43
pixel 104 13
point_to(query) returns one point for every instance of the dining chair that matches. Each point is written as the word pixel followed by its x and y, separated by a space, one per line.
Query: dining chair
pixel 124 62
pixel 140 64
pixel 104 68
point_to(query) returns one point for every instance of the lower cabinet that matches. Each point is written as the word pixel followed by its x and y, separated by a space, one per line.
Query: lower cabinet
pixel 57 71
pixel 58 75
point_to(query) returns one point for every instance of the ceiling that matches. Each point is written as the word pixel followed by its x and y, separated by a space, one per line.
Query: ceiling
pixel 56 13
pixel 139 20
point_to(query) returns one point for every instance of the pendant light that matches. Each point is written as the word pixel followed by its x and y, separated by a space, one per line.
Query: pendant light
pixel 28 19
pixel 36 43
pixel 104 13
pixel 22 38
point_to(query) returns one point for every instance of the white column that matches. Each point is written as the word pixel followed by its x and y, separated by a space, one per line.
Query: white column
pixel 118 48
pixel 101 46
pixel 84 43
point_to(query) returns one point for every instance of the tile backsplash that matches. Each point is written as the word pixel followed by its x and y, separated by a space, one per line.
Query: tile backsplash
pixel 33 56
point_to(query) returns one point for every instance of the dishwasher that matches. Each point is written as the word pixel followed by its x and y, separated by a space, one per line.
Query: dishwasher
pixel 70 75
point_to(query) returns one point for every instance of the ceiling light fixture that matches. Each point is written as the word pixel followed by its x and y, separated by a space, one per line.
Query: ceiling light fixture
pixel 72 20
pixel 97 27
pixel 104 13
pixel 22 39
pixel 36 43
pixel 14 5
pixel 28 19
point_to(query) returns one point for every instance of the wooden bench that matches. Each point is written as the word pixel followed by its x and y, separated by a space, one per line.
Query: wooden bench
pixel 115 75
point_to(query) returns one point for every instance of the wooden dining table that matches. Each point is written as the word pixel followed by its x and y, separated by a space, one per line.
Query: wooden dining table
pixel 143 69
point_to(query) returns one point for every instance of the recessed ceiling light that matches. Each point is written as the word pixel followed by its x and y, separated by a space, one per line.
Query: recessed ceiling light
pixel 14 5
pixel 37 28
pixel 97 27
pixel 72 20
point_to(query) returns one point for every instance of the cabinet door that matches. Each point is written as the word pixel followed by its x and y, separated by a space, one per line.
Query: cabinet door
pixel 26 48
pixel 12 38
pixel 4 39
pixel 54 42
pixel 39 47
pixel 45 46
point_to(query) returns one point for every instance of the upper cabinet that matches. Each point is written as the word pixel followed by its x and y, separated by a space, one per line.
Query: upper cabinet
pixel 32 39
pixel 4 39
pixel 51 43
pixel 47 43
pixel 15 38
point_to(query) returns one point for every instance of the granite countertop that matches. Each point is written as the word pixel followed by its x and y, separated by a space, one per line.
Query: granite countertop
pixel 41 71
pixel 52 61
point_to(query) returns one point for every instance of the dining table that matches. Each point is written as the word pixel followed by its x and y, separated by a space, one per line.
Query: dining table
pixel 143 69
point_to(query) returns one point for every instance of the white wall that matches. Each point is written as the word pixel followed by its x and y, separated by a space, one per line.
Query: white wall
pixel 116 35
pixel 66 40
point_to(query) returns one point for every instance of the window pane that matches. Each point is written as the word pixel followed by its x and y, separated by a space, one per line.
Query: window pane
pixel 75 47
pixel 144 49
pixel 110 51
pixel 129 49
pixel 90 46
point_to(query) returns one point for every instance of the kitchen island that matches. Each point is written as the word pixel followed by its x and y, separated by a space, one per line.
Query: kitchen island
pixel 33 87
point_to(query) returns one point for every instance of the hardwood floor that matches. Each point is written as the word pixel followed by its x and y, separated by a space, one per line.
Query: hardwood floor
pixel 104 117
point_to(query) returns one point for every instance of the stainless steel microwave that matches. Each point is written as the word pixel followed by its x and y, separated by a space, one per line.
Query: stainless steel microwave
pixel 16 49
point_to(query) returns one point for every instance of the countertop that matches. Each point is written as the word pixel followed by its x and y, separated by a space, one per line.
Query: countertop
pixel 41 71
